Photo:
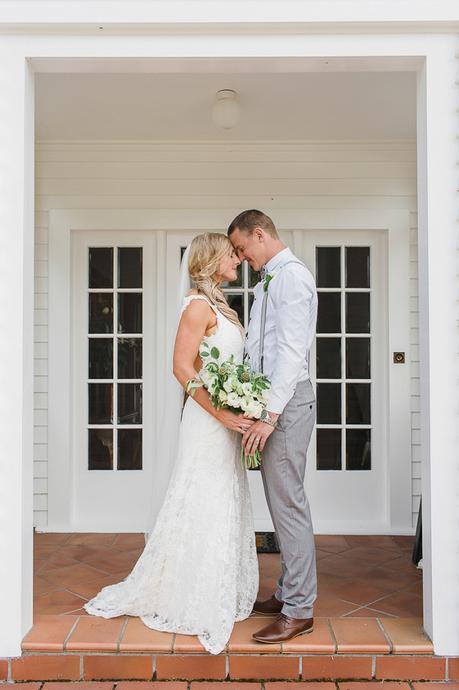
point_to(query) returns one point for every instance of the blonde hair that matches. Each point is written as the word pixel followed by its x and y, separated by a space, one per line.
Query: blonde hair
pixel 206 252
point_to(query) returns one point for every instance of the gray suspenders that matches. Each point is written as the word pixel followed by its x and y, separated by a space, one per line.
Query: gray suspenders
pixel 264 307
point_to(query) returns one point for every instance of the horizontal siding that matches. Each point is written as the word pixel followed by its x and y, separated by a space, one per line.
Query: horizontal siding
pixel 187 175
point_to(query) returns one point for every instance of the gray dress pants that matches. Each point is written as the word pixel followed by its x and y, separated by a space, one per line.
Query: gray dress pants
pixel 283 468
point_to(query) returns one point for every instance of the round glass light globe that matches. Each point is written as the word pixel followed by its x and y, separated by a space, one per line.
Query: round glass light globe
pixel 226 110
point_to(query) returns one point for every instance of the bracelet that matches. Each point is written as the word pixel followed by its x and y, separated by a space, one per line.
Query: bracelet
pixel 271 422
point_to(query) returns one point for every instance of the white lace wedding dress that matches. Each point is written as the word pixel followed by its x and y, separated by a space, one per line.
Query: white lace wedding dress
pixel 198 573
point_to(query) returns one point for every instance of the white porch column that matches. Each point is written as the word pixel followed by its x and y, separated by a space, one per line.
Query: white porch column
pixel 439 352
pixel 16 347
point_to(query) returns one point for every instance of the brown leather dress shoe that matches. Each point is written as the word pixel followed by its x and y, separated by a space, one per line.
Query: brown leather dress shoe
pixel 268 608
pixel 284 628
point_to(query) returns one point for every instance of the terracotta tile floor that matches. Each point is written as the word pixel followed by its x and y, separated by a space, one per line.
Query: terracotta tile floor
pixel 359 576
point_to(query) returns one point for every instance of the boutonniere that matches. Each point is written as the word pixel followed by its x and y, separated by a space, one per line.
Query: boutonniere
pixel 267 280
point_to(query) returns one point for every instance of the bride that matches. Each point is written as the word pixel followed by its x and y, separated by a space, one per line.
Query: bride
pixel 198 573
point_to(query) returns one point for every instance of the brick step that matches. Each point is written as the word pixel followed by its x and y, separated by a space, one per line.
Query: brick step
pixel 230 667
pixel 87 648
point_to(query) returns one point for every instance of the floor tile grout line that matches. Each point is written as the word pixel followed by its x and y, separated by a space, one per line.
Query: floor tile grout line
pixel 386 635
pixel 69 634
pixel 333 636
pixel 121 633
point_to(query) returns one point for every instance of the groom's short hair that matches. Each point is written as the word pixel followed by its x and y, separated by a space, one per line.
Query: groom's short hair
pixel 247 221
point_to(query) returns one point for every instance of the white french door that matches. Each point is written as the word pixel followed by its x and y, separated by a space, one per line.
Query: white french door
pixel 113 378
pixel 347 469
pixel 118 322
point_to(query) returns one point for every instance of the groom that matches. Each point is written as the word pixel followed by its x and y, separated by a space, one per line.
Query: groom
pixel 281 330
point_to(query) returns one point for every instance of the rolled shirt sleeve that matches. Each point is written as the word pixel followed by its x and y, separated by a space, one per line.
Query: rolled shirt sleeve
pixel 294 300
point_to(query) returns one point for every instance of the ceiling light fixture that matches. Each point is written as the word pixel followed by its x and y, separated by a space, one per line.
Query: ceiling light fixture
pixel 226 110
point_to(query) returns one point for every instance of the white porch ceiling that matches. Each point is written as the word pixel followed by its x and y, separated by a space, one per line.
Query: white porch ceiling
pixel 176 106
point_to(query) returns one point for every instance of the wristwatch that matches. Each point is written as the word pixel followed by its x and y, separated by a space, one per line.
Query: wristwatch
pixel 267 419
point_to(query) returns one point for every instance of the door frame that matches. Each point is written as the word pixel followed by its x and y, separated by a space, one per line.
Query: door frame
pixel 63 223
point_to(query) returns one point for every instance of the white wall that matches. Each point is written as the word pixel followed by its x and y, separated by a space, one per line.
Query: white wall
pixel 270 176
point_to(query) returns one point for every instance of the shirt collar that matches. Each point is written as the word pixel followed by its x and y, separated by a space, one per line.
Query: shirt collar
pixel 277 259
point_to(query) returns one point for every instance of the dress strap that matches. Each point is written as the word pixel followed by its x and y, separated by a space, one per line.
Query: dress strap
pixel 188 298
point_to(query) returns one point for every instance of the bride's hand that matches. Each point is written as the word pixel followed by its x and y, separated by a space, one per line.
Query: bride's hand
pixel 234 422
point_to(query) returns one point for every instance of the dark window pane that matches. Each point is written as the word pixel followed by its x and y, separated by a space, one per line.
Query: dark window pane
pixel 100 364
pixel 234 283
pixel 100 449
pixel 130 403
pixel 358 403
pixel 357 312
pixel 237 302
pixel 254 277
pixel 100 312
pixel 328 358
pixel 328 449
pixel 130 267
pixel 329 312
pixel 358 267
pixel 328 268
pixel 329 403
pixel 358 358
pixel 130 312
pixel 100 267
pixel 129 358
pixel 358 449
pixel 130 449
pixel 100 403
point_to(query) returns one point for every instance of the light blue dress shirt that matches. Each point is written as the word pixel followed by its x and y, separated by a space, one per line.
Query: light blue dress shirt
pixel 290 327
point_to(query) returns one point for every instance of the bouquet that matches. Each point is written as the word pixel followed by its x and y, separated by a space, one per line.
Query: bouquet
pixel 233 387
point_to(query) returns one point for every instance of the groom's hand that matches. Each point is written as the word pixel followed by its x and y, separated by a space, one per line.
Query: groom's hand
pixel 256 437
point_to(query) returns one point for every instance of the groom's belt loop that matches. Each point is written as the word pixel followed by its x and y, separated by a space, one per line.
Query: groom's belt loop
pixel 264 307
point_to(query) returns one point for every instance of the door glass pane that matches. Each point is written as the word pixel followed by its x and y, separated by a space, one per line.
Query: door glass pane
pixel 329 312
pixel 100 406
pixel 100 312
pixel 129 312
pixel 329 403
pixel 328 449
pixel 100 358
pixel 130 267
pixel 100 449
pixel 358 358
pixel 328 267
pixel 357 403
pixel 100 267
pixel 237 302
pixel 129 403
pixel 129 358
pixel 357 312
pixel 358 449
pixel 328 358
pixel 358 267
pixel 130 449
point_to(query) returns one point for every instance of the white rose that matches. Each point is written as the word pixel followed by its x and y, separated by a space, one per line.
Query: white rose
pixel 247 388
pixel 234 400
pixel 228 386
pixel 245 402
pixel 254 409
pixel 222 396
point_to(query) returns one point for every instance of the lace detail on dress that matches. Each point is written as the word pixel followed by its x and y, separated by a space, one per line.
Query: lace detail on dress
pixel 198 573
